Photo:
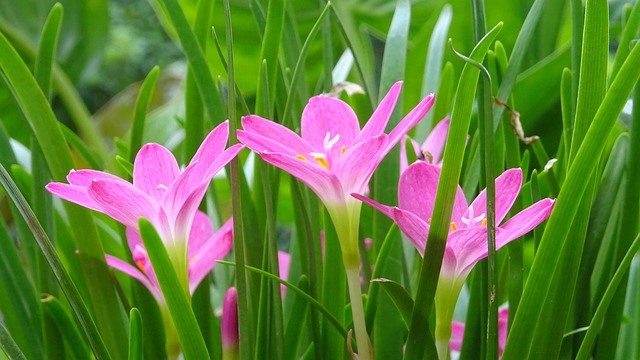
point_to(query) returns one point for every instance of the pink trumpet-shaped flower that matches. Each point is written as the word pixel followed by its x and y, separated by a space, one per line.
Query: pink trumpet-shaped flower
pixel 160 192
pixel 204 248
pixel 467 242
pixel 334 157
pixel 457 330
pixel 431 150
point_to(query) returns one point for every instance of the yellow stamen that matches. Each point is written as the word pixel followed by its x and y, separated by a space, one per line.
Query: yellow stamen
pixel 302 158
pixel 429 220
pixel 140 264
pixel 322 162
pixel 453 226
pixel 344 148
pixel 484 222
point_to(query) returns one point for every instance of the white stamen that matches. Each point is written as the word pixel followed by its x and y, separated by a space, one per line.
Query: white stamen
pixel 328 142
pixel 317 155
pixel 161 187
pixel 472 220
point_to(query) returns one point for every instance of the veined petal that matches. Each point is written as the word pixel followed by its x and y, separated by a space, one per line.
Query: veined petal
pixel 507 188
pixel 85 177
pixel 154 170
pixel 123 202
pixel 323 182
pixel 74 194
pixel 409 121
pixel 215 248
pixel 124 267
pixel 524 221
pixel 378 121
pixel 201 231
pixel 417 191
pixel 355 167
pixel 470 246
pixel 187 212
pixel 222 160
pixel 262 134
pixel 326 115
pixel 436 140
pixel 212 146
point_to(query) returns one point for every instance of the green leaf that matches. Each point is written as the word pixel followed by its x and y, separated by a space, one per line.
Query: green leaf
pixel 135 335
pixel 66 327
pixel 432 80
pixel 140 114
pixel 38 112
pixel 400 297
pixel 67 285
pixel 447 187
pixel 565 210
pixel 195 55
pixel 193 345
pixel 598 318
pixel 8 346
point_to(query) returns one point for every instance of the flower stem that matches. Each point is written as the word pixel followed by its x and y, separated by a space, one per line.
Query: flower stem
pixel 362 339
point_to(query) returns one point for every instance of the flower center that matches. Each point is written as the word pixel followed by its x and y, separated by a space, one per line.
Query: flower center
pixel 472 220
pixel 324 158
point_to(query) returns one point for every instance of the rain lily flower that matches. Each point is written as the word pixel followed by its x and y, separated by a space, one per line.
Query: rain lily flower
pixel 467 241
pixel 335 158
pixel 284 259
pixel 432 148
pixel 160 192
pixel 204 248
pixel 457 330
pixel 229 325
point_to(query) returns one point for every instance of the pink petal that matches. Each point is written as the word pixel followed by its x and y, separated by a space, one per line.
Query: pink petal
pixel 507 188
pixel 124 267
pixel 415 228
pixel 417 191
pixel 387 210
pixel 284 259
pixel 123 202
pixel 524 221
pixel 261 134
pixel 212 146
pixel 436 140
pixel 326 115
pixel 457 331
pixel 229 322
pixel 469 246
pixel 222 160
pixel 378 121
pixel 215 248
pixel 184 218
pixel 324 183
pixel 503 323
pixel 133 240
pixel 409 121
pixel 74 194
pixel 154 170
pixel 201 231
pixel 85 177
pixel 355 167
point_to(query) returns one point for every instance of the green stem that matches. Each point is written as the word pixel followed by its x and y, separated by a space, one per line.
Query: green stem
pixel 362 339
pixel 172 341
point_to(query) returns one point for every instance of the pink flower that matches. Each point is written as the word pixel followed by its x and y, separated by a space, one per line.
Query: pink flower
pixel 432 148
pixel 467 242
pixel 284 259
pixel 457 330
pixel 204 248
pixel 162 194
pixel 334 157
